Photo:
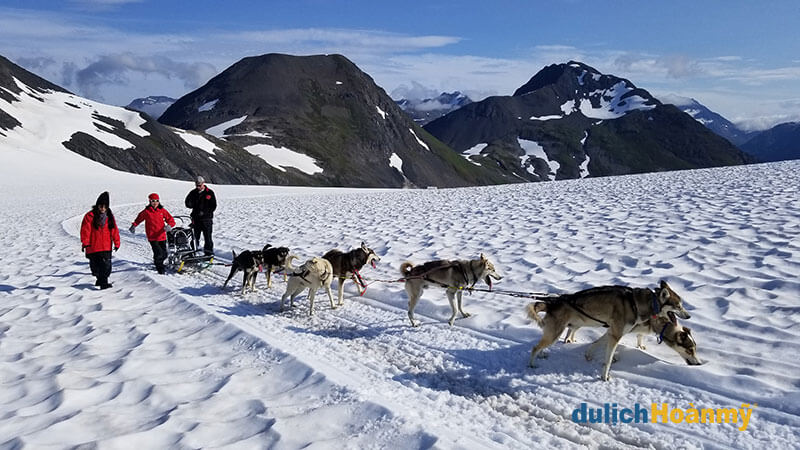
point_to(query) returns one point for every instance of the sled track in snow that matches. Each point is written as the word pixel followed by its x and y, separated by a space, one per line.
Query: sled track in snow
pixel 505 392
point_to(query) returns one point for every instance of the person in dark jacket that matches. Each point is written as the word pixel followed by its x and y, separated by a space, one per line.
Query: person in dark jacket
pixel 99 234
pixel 202 202
pixel 157 221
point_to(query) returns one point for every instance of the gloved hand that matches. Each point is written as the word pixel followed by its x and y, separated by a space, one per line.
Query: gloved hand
pixel 83 248
pixel 167 227
pixel 132 229
pixel 116 248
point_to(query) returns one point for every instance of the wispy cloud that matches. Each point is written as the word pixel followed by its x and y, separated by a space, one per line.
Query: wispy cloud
pixel 101 5
pixel 365 40
pixel 115 69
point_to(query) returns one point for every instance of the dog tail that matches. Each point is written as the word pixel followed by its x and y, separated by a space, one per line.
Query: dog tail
pixel 534 309
pixel 405 268
pixel 288 266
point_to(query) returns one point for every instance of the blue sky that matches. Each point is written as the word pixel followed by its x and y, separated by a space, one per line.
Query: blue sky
pixel 740 58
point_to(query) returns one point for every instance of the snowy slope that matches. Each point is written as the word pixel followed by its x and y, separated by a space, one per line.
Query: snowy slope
pixel 169 361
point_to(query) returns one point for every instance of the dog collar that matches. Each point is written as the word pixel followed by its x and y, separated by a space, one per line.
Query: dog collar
pixel 656 304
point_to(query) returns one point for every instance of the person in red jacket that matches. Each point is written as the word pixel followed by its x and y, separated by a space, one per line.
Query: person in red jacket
pixel 99 234
pixel 157 221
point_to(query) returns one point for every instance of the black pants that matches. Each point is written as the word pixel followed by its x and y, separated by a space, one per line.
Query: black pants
pixel 159 254
pixel 100 264
pixel 205 226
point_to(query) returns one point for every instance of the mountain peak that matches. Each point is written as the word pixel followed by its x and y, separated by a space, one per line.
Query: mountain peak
pixel 153 105
pixel 574 71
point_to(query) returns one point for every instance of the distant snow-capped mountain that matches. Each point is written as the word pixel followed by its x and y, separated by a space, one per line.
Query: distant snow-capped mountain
pixel 154 105
pixel 426 110
pixel 710 119
pixel 571 121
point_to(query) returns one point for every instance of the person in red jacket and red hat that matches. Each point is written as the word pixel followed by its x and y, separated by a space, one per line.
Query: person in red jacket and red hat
pixel 157 221
pixel 99 234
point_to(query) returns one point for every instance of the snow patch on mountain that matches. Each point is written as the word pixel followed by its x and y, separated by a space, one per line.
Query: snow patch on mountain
pixel 36 111
pixel 396 162
pixel 280 158
pixel 196 140
pixel 208 106
pixel 612 103
pixel 544 118
pixel 534 150
pixel 219 130
pixel 419 140
pixel 475 150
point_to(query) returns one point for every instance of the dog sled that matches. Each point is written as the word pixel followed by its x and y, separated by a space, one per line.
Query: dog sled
pixel 182 252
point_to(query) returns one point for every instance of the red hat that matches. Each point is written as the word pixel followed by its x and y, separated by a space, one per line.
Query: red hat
pixel 153 196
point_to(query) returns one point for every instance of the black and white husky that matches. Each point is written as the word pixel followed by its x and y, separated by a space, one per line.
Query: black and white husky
pixel 249 262
pixel 346 265
pixel 453 275
pixel 274 259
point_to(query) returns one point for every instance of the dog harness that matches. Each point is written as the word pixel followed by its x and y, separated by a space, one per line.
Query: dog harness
pixel 661 335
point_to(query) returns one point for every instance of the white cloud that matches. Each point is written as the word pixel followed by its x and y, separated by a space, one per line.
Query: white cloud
pixel 116 69
pixel 365 40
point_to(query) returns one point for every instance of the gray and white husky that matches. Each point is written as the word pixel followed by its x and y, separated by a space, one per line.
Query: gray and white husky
pixel 455 276
pixel 670 332
pixel 618 308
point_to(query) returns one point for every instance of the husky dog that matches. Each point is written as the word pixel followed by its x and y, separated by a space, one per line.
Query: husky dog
pixel 454 275
pixel 676 336
pixel 312 274
pixel 249 262
pixel 274 259
pixel 346 265
pixel 617 308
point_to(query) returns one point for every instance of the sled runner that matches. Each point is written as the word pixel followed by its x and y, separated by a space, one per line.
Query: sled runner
pixel 182 253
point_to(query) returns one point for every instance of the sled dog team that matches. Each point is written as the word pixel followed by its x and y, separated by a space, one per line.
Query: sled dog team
pixel 620 309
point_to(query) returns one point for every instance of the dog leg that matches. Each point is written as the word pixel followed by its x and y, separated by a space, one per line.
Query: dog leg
pixel 330 294
pixel 297 291
pixel 312 292
pixel 570 337
pixel 341 291
pixel 640 341
pixel 451 297
pixel 592 350
pixel 269 277
pixel 593 346
pixel 283 297
pixel 463 314
pixel 550 334
pixel 413 298
pixel 233 272
pixel 252 281
pixel 613 337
